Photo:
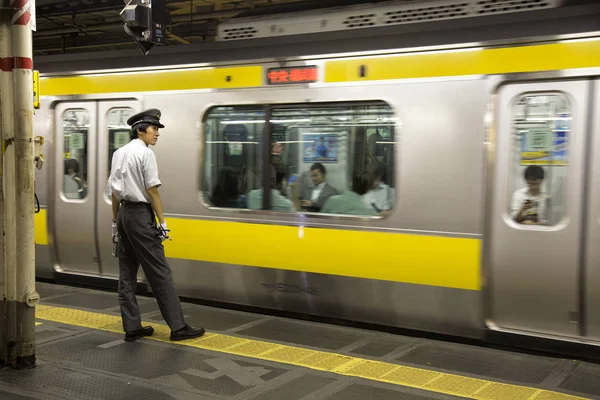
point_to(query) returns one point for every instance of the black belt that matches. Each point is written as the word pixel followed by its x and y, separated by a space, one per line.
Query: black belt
pixel 133 203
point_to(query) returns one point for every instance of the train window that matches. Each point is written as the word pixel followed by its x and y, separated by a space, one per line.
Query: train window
pixel 541 126
pixel 330 158
pixel 76 123
pixel 334 158
pixel 233 173
pixel 118 133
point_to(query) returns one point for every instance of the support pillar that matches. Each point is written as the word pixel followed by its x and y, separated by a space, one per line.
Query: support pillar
pixel 9 187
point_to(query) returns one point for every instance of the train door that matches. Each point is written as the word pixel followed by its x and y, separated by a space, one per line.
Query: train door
pixel 113 133
pixel 535 219
pixel 591 275
pixel 75 183
pixel 87 135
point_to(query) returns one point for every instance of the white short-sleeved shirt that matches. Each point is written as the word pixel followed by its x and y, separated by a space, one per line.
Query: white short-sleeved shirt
pixel 133 172
pixel 382 197
pixel 537 212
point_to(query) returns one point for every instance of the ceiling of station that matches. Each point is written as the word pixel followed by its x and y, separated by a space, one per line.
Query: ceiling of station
pixel 74 26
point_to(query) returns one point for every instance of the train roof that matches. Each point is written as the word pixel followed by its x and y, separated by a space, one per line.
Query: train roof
pixel 530 27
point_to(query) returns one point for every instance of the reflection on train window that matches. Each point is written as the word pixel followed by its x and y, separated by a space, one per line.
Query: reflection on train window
pixel 232 157
pixel 541 127
pixel 334 158
pixel 76 123
pixel 118 134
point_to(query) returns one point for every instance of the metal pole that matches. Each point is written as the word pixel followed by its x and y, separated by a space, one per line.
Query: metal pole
pixel 27 297
pixel 3 344
pixel 266 160
pixel 10 234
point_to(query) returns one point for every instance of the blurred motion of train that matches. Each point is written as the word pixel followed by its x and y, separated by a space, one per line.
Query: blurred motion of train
pixel 453 127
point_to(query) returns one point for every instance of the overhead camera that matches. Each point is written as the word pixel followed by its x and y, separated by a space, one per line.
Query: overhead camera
pixel 146 22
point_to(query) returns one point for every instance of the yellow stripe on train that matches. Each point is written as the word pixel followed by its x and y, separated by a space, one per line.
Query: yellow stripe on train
pixel 195 78
pixel 559 56
pixel 418 259
pixel 547 57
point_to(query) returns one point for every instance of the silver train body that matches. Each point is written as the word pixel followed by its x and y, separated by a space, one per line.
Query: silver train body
pixel 464 267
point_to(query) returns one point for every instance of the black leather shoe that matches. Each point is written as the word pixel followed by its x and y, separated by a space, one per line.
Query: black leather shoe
pixel 187 333
pixel 132 336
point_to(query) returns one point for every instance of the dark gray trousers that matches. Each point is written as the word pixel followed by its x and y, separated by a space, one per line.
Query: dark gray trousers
pixel 141 245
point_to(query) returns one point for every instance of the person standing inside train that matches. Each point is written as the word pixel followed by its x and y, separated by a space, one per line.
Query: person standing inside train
pixel 135 200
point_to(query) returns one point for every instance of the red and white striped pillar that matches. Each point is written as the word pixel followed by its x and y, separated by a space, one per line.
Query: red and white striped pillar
pixel 26 296
pixel 8 269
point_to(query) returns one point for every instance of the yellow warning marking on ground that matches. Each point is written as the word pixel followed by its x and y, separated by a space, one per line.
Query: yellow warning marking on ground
pixel 455 384
pixel 161 332
pixel 432 381
pixel 221 342
pixel 408 376
pixel 77 317
pixel 370 369
pixel 546 395
pixel 496 391
pixel 253 348
pixel 38 323
pixel 289 355
pixel 326 361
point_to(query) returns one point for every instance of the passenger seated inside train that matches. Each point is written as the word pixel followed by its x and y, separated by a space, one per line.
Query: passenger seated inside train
pixel 74 186
pixel 350 202
pixel 278 202
pixel 529 204
pixel 227 192
pixel 313 198
pixel 379 197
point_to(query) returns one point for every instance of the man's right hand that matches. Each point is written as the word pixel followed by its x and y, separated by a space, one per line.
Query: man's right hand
pixel 163 232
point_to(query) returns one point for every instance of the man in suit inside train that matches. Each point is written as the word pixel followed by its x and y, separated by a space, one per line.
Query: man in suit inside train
pixel 313 199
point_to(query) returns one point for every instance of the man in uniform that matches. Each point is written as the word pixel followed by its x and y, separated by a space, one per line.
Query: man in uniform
pixel 134 185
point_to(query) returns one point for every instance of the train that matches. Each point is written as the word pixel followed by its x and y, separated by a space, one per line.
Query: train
pixel 456 129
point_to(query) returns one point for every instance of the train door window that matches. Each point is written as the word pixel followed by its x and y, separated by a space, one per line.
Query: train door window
pixel 333 158
pixel 118 133
pixel 541 127
pixel 233 173
pixel 76 124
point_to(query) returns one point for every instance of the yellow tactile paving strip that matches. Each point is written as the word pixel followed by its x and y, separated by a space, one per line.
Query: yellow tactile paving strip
pixel 432 381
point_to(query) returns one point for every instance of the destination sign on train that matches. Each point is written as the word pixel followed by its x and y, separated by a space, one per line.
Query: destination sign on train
pixel 288 75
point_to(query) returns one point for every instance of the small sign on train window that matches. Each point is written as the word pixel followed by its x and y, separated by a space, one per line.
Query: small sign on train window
pixel 291 75
pixel 76 141
pixel 120 139
pixel 539 139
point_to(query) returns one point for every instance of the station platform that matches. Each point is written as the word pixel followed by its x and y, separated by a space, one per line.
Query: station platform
pixel 81 355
